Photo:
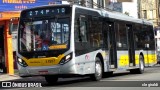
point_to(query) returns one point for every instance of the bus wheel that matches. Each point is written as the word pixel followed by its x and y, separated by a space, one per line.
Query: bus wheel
pixel 51 79
pixel 140 70
pixel 98 70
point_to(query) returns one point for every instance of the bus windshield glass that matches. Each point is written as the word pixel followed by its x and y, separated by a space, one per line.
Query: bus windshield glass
pixel 44 34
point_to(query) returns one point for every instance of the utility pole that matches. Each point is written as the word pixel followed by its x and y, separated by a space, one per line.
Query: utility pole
pixel 158 12
pixel 139 9
pixel 83 2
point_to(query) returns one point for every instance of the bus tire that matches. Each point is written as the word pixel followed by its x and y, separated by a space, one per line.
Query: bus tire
pixel 98 70
pixel 51 79
pixel 139 70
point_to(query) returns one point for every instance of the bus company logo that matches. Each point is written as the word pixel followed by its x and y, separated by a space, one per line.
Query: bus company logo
pixel 20 84
pixel 87 57
pixel 6 84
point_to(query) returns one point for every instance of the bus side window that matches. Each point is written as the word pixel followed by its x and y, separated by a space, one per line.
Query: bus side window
pixel 121 36
pixel 95 32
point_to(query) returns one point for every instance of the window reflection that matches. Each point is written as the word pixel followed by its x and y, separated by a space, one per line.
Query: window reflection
pixel 44 35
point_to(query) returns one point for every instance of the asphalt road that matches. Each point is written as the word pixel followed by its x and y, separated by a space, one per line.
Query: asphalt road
pixel 149 80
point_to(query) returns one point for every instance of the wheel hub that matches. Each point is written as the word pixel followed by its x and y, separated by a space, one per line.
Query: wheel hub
pixel 98 69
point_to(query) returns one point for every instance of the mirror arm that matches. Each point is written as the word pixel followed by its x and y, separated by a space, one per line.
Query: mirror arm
pixel 10 27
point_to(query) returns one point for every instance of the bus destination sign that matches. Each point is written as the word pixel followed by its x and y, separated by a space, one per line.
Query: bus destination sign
pixel 46 12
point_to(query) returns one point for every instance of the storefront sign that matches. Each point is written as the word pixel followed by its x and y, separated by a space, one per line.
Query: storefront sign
pixel 8 15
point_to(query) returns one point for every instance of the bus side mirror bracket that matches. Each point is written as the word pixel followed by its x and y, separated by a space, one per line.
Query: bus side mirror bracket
pixel 10 27
pixel 79 34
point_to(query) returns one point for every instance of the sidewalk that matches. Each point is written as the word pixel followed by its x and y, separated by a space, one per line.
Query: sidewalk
pixel 6 77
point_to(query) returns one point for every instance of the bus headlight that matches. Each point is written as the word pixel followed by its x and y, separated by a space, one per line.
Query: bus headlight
pixel 22 62
pixel 19 60
pixel 66 59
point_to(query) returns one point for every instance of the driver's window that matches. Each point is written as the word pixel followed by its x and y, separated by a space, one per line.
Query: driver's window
pixel 81 29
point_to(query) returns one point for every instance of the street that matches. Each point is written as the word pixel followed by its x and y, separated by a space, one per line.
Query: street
pixel 150 78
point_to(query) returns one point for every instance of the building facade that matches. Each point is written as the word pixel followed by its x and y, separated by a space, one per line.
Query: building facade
pixel 98 3
pixel 148 9
pixel 123 6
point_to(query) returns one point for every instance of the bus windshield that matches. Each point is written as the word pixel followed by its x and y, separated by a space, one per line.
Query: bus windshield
pixel 44 34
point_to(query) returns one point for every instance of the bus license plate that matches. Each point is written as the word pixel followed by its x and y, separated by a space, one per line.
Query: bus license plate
pixel 43 72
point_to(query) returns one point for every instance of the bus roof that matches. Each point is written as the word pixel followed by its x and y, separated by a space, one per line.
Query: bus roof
pixel 117 15
pixel 104 13
pixel 121 16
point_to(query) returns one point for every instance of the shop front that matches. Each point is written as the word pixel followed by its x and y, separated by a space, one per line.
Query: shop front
pixel 6 47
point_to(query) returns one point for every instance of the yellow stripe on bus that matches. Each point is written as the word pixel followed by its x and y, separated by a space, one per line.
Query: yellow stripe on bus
pixel 124 60
pixel 148 59
pixel 43 61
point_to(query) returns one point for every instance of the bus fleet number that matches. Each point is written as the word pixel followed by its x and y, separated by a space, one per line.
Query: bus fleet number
pixel 50 61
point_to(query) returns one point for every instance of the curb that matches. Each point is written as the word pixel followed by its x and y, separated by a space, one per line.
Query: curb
pixel 7 77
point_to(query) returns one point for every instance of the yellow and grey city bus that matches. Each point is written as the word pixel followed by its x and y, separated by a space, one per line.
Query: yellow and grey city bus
pixel 68 40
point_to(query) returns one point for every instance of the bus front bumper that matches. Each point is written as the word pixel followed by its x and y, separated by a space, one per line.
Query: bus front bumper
pixel 46 70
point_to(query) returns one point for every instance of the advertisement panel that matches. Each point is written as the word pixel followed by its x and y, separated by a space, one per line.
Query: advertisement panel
pixel 18 5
